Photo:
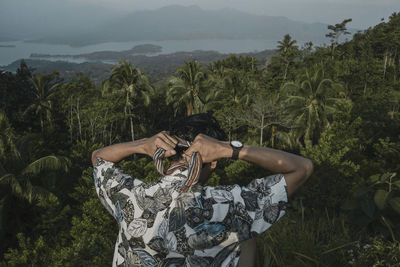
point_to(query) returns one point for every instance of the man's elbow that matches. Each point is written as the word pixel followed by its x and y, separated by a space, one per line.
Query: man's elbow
pixel 308 168
pixel 94 156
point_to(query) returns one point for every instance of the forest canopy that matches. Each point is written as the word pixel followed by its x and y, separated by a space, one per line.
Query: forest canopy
pixel 336 104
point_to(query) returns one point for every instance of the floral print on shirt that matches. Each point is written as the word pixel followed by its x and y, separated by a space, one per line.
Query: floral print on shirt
pixel 161 226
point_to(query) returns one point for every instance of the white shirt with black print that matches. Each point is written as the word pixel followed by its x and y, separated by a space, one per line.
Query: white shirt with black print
pixel 161 226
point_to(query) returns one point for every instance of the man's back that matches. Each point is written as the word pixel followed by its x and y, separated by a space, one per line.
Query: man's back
pixel 176 221
pixel 161 226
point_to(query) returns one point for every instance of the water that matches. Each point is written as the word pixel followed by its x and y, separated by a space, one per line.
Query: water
pixel 24 49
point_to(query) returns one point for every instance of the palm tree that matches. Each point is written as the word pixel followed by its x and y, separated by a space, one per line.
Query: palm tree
pixel 311 101
pixel 8 149
pixel 186 88
pixel 134 86
pixel 16 174
pixel 288 51
pixel 44 85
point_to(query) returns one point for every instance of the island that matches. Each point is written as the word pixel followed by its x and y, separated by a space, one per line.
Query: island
pixel 113 56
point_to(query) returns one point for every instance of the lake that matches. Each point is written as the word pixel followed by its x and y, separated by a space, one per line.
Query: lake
pixel 20 49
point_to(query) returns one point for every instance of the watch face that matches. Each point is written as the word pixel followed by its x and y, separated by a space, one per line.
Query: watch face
pixel 236 143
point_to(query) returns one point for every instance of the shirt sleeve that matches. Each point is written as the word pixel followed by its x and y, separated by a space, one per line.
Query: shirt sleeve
pixel 112 186
pixel 252 209
pixel 265 201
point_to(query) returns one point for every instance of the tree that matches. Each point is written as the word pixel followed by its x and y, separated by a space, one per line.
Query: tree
pixel 44 85
pixel 23 185
pixel 186 88
pixel 264 112
pixel 311 100
pixel 134 86
pixel 288 51
pixel 336 31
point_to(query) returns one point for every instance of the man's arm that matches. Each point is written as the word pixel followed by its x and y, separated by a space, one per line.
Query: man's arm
pixel 296 169
pixel 147 146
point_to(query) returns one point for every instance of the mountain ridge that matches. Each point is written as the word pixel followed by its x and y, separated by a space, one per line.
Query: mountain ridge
pixel 176 22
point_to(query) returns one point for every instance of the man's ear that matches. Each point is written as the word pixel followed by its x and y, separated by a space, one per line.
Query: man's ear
pixel 213 164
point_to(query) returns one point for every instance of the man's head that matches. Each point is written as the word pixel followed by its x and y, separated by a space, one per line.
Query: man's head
pixel 189 127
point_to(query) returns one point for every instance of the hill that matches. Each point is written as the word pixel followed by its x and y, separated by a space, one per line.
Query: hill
pixel 191 22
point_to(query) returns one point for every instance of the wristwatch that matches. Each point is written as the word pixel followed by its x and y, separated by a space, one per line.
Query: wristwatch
pixel 236 147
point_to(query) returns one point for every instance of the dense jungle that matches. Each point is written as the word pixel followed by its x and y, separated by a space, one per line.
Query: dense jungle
pixel 336 104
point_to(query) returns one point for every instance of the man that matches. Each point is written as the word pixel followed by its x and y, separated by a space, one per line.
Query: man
pixel 178 222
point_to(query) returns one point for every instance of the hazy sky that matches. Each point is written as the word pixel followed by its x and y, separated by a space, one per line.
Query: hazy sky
pixel 55 15
pixel 365 13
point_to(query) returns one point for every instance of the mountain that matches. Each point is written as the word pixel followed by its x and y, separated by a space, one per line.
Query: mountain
pixel 191 22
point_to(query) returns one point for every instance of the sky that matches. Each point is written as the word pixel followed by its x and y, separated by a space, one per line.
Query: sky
pixel 365 13
pixel 34 16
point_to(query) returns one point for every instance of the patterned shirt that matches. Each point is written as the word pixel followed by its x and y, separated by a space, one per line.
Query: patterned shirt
pixel 161 226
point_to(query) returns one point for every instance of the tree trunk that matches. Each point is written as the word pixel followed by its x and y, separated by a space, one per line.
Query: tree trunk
pixel 110 133
pixel 71 120
pixel 286 69
pixel 79 119
pixel 131 124
pixel 132 133
pixel 273 134
pixel 384 64
pixel 189 110
pixel 41 121
pixel 261 129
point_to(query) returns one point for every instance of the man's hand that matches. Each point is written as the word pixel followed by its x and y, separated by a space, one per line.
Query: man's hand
pixel 209 148
pixel 147 146
pixel 160 140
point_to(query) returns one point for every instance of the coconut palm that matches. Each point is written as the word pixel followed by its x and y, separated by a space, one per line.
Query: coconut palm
pixel 16 173
pixel 311 102
pixel 186 88
pixel 8 149
pixel 44 85
pixel 134 86
pixel 288 51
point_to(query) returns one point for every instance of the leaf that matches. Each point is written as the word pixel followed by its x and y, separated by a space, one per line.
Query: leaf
pixel 361 191
pixel 163 229
pixel 171 242
pixel 250 200
pixel 271 213
pixel 137 227
pixel 387 176
pixel 395 204
pixel 52 163
pixel 157 244
pixel 197 261
pixel 368 207
pixel 374 178
pixel 397 183
pixel 350 204
pixel 145 258
pixel 222 195
pixel 380 198
pixel 176 219
pixel 223 254
pixel 168 262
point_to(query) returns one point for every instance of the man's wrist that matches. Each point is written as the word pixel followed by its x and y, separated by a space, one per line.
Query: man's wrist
pixel 225 151
pixel 138 146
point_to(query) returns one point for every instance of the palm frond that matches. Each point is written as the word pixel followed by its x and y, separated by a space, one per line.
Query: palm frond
pixel 48 163
pixel 12 181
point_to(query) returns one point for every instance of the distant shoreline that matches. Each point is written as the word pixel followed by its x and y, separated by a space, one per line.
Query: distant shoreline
pixel 8 46
pixel 144 49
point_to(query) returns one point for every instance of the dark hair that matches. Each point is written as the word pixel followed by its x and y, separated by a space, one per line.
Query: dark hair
pixel 189 127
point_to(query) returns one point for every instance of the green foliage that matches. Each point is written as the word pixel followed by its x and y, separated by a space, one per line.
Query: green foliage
pixel 376 252
pixel 321 240
pixel 337 105
pixel 375 204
